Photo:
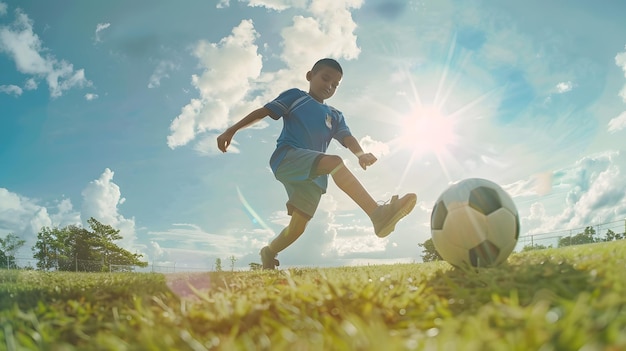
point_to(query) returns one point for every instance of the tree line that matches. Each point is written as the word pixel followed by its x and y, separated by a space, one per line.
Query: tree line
pixel 587 236
pixel 73 248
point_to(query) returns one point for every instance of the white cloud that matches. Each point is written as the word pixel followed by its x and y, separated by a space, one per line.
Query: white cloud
pixel 156 250
pixel 31 84
pixel 536 220
pixel 24 217
pixel 65 214
pixel 223 4
pixel 99 28
pixel 277 5
pixel 11 90
pixel 378 148
pixel 160 72
pixel 189 245
pixel 101 198
pixel 91 96
pixel 538 184
pixel 328 33
pixel 594 195
pixel 3 9
pixel 618 123
pixel 14 209
pixel 190 236
pixel 184 127
pixel 39 220
pixel 337 27
pixel 620 61
pixel 26 49
pixel 207 146
pixel 367 242
pixel 598 189
pixel 229 66
pixel 564 87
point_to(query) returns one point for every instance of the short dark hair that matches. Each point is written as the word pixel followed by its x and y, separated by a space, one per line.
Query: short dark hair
pixel 327 62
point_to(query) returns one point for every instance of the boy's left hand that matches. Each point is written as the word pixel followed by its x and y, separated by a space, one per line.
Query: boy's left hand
pixel 224 139
pixel 367 160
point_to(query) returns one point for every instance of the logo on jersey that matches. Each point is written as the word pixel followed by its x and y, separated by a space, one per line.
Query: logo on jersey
pixel 329 122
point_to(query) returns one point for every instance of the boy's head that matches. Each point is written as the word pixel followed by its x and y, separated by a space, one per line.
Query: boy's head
pixel 324 79
pixel 327 62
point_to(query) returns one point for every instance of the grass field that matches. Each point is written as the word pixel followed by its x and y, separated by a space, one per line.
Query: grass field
pixel 571 298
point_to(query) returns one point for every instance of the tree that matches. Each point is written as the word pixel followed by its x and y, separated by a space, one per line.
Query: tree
pixel 586 237
pixel 218 264
pixel 611 235
pixel 8 247
pixel 74 248
pixel 78 252
pixel 255 266
pixel 429 253
pixel 47 249
pixel 106 250
pixel 232 259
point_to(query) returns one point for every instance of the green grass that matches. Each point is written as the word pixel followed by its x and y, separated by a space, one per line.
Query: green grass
pixel 556 299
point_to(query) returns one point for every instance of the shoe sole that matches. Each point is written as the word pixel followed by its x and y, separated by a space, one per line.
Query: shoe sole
pixel 405 210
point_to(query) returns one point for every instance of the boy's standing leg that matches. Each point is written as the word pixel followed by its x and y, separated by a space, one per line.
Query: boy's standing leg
pixel 296 173
pixel 287 236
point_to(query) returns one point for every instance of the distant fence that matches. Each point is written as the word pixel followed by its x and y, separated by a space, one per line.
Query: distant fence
pixel 551 239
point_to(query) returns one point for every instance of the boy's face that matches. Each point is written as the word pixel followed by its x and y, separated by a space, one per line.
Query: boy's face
pixel 323 83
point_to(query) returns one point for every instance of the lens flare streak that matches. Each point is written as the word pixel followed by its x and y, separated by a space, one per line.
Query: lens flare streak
pixel 255 216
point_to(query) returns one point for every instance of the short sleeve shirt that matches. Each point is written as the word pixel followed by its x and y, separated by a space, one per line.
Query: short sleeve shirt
pixel 307 124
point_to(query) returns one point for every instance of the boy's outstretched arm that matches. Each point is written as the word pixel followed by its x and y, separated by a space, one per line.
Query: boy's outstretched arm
pixel 224 139
pixel 365 159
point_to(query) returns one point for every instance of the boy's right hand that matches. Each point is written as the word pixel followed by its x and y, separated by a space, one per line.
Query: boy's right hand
pixel 367 160
pixel 223 140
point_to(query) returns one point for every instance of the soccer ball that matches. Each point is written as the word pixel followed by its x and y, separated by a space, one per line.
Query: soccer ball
pixel 474 222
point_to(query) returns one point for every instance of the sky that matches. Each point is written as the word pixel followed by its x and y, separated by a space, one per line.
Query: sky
pixel 111 109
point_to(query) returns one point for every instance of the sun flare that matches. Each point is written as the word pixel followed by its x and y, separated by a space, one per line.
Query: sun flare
pixel 428 130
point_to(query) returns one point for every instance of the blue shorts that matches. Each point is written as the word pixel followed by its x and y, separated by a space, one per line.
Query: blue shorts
pixel 297 173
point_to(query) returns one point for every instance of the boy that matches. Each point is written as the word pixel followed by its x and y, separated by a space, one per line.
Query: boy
pixel 301 164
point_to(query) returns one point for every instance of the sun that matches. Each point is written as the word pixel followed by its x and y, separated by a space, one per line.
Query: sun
pixel 427 130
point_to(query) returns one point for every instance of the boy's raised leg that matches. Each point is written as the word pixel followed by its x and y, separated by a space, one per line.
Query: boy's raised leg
pixel 384 217
pixel 347 182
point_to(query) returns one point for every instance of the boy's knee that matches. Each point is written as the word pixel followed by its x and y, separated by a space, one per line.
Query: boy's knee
pixel 330 164
pixel 335 161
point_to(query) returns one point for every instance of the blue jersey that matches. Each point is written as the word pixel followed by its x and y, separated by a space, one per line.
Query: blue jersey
pixel 307 124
